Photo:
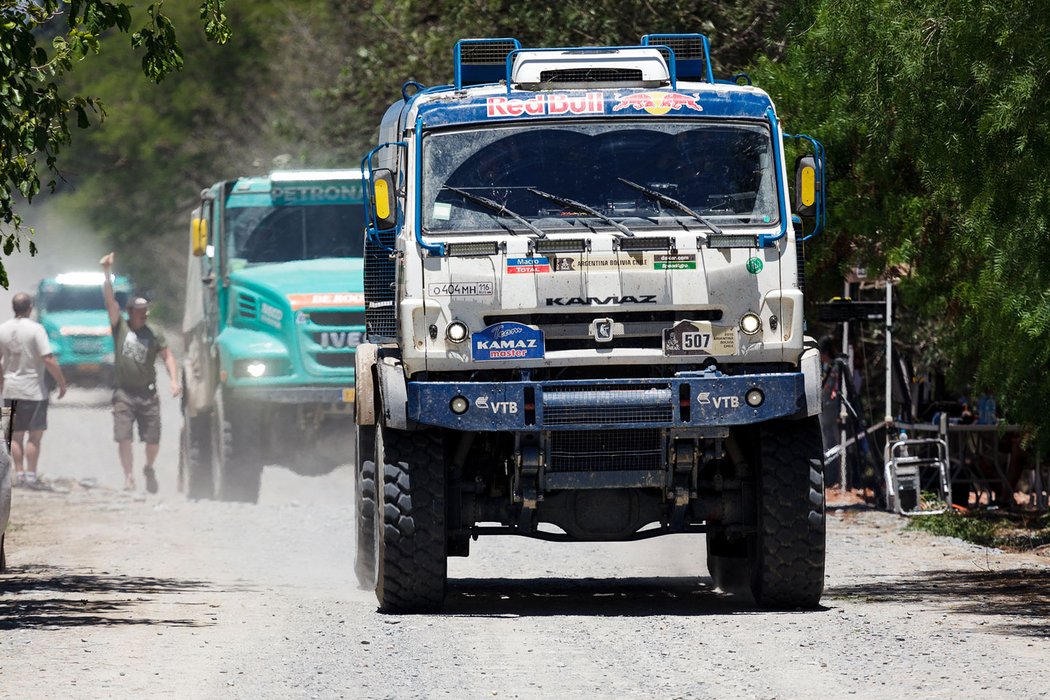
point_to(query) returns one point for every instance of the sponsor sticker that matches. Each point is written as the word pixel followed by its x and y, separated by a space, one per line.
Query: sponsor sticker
pixel 460 289
pixel 442 211
pixel 316 193
pixel 657 102
pixel 573 263
pixel 754 265
pixel 271 315
pixel 545 104
pixel 517 266
pixel 302 301
pixel 505 407
pixel 699 338
pixel 507 341
pixel 674 262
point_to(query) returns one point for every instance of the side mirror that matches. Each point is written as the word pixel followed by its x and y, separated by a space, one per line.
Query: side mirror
pixel 384 204
pixel 199 236
pixel 808 187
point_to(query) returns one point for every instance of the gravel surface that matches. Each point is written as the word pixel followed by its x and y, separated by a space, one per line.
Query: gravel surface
pixel 112 594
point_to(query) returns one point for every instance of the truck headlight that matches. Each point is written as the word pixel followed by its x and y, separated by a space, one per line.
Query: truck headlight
pixel 256 368
pixel 750 323
pixel 459 405
pixel 457 332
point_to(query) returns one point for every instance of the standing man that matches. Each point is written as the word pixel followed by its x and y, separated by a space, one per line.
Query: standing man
pixel 136 347
pixel 25 353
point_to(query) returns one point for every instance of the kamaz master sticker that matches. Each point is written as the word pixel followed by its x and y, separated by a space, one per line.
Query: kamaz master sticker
pixel 675 262
pixel 460 289
pixel 517 266
pixel 507 341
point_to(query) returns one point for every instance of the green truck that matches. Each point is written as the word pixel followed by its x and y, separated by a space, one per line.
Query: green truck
pixel 274 311
pixel 71 309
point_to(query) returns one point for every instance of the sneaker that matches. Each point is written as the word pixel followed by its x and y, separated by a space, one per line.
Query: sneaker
pixel 129 483
pixel 151 479
pixel 20 480
pixel 37 484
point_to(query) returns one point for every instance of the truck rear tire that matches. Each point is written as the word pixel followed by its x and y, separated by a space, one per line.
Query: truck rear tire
pixel 787 553
pixel 365 502
pixel 196 462
pixel 411 564
pixel 236 441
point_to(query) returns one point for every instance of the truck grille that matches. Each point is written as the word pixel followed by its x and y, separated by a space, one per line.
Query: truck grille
pixel 608 405
pixel 329 339
pixel 380 280
pixel 89 345
pixel 605 450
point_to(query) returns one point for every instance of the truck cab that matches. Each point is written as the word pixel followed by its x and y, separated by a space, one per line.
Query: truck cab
pixel 274 311
pixel 72 310
pixel 585 319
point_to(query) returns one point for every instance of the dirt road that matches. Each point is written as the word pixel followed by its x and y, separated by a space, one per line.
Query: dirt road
pixel 117 595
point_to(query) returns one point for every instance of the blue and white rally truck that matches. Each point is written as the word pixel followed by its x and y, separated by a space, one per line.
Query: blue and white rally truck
pixel 583 303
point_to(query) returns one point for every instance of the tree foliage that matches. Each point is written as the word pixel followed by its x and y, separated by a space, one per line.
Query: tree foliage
pixel 35 113
pixel 937 119
pixel 400 40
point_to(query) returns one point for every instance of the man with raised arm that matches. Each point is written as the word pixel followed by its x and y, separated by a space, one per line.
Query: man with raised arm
pixel 25 354
pixel 136 347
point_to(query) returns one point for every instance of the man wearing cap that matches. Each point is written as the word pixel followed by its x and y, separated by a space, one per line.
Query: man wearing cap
pixel 136 347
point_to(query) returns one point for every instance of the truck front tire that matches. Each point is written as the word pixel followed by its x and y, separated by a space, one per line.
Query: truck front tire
pixel 365 502
pixel 787 553
pixel 195 456
pixel 411 565
pixel 236 459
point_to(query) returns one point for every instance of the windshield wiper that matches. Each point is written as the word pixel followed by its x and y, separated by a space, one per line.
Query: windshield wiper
pixel 566 202
pixel 500 209
pixel 671 202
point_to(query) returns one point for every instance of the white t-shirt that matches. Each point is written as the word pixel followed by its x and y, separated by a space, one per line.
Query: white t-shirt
pixel 23 346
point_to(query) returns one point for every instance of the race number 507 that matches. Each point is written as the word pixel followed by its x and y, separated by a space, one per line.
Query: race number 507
pixel 696 341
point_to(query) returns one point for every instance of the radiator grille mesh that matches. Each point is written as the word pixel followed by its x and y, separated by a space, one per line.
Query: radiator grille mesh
pixel 606 450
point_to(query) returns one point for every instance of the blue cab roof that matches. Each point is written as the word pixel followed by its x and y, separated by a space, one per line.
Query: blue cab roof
pixel 442 107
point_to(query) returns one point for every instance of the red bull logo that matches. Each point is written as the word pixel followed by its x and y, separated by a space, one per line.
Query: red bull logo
pixel 657 102
pixel 544 103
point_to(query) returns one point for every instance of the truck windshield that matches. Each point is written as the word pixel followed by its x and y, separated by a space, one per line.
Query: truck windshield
pixel 724 172
pixel 86 298
pixel 287 233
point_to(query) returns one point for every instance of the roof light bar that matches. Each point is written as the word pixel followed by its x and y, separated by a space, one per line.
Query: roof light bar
pixel 692 54
pixel 482 61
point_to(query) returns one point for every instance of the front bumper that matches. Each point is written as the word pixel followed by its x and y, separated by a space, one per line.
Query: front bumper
pixel 296 394
pixel 685 401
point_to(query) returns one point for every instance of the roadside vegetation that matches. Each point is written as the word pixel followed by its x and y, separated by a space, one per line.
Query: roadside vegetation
pixel 1010 531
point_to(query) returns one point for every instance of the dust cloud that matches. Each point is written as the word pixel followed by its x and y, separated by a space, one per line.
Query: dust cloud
pixel 63 245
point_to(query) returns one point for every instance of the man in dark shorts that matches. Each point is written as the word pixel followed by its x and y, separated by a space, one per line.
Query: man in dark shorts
pixel 25 354
pixel 136 347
